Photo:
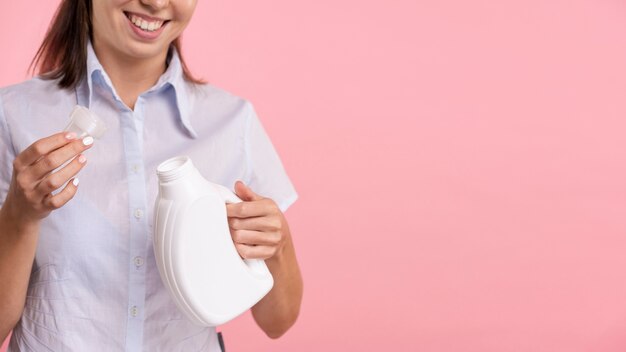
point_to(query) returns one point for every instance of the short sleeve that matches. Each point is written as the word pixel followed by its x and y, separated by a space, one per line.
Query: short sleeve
pixel 265 172
pixel 6 156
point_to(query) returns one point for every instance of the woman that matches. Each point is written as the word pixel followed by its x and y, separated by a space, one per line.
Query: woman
pixel 77 267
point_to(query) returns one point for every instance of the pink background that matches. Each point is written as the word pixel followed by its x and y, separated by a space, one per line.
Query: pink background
pixel 461 165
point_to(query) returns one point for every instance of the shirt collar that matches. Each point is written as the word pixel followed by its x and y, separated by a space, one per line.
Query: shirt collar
pixel 173 77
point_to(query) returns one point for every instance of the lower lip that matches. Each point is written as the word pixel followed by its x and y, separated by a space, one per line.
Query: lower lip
pixel 143 34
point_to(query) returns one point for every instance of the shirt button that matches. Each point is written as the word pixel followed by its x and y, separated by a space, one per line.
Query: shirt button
pixel 134 311
pixel 135 168
pixel 138 261
pixel 138 213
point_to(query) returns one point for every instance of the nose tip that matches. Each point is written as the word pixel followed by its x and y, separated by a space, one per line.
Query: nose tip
pixel 157 4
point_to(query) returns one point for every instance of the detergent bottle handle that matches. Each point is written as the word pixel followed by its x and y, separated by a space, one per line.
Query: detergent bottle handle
pixel 257 266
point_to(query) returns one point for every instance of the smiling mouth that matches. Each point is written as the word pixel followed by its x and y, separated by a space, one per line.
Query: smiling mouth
pixel 147 25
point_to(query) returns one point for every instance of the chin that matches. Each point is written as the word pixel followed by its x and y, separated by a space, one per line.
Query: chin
pixel 146 50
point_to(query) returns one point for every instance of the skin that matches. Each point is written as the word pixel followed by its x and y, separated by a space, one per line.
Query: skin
pixel 135 64
pixel 258 228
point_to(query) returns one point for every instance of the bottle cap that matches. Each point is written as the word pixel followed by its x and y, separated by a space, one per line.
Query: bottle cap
pixel 85 122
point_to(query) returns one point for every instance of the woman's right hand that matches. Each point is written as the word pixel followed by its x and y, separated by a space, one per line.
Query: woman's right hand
pixel 29 198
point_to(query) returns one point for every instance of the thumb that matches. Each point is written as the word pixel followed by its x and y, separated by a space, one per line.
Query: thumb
pixel 245 193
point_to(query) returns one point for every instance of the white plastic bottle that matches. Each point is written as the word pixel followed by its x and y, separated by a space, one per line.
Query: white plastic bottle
pixel 194 251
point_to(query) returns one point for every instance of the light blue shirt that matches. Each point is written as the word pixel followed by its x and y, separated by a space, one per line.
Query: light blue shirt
pixel 94 285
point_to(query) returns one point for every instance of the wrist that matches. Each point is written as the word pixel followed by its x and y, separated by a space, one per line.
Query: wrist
pixel 279 257
pixel 12 218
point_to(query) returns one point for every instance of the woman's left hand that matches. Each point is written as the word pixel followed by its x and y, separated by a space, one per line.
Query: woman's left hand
pixel 257 225
pixel 259 230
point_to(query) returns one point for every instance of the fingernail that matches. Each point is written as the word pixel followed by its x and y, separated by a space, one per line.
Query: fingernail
pixel 71 135
pixel 88 140
pixel 82 159
pixel 75 181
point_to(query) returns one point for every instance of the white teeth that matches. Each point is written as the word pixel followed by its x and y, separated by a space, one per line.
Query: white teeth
pixel 145 25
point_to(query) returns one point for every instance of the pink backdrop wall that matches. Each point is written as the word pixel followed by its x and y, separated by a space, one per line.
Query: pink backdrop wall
pixel 461 164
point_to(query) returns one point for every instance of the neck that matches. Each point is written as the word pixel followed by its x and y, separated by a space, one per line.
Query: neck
pixel 131 76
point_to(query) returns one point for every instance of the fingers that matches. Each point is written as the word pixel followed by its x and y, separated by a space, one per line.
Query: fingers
pixel 244 192
pixel 260 207
pixel 42 147
pixel 55 180
pixel 255 252
pixel 33 177
pixel 58 200
pixel 56 158
pixel 260 223
pixel 258 238
pixel 256 228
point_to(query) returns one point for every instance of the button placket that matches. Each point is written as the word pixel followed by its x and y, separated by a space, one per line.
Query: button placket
pixel 138 236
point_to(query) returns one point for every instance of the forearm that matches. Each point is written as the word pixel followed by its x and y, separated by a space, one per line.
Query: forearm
pixel 18 242
pixel 279 309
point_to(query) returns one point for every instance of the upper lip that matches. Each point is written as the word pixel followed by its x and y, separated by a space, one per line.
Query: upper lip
pixel 145 17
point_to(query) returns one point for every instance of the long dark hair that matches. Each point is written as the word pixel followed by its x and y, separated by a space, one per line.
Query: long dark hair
pixel 63 52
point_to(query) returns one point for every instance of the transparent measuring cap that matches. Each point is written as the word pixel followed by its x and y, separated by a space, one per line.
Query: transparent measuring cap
pixel 84 123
